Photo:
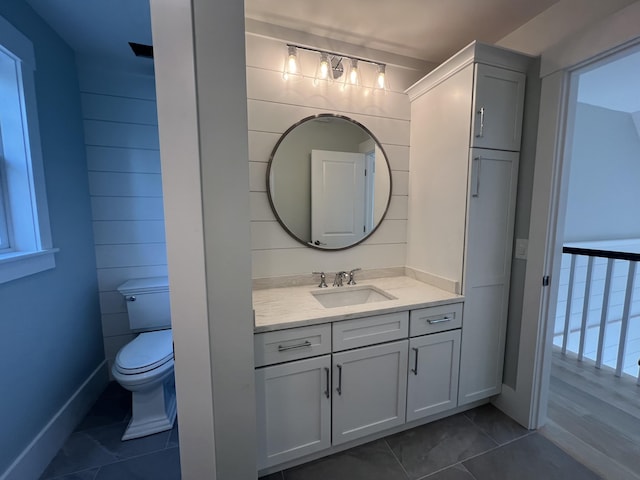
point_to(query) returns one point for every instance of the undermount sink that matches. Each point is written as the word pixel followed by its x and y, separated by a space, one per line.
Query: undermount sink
pixel 342 297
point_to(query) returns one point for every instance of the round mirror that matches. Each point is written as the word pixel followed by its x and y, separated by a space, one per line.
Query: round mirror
pixel 329 182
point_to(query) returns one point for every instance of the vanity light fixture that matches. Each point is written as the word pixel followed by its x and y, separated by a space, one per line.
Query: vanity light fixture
pixel 324 70
pixel 382 83
pixel 332 66
pixel 291 68
pixel 354 73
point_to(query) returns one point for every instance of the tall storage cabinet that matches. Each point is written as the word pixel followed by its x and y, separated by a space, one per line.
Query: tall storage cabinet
pixel 466 122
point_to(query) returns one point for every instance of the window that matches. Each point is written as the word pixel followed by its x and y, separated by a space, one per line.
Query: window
pixel 25 235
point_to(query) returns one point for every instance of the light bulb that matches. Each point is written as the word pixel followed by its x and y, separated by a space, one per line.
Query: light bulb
pixel 353 73
pixel 323 70
pixel 293 64
pixel 291 68
pixel 381 84
pixel 324 67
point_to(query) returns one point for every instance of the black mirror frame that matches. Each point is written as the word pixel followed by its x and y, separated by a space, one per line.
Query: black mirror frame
pixel 269 165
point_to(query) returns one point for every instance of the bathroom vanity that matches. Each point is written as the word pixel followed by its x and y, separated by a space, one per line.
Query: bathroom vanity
pixel 328 376
pixel 340 366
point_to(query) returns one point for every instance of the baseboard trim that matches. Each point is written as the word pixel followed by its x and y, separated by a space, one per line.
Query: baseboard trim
pixel 36 456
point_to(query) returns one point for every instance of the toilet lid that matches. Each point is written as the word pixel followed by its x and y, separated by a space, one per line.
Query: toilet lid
pixel 145 352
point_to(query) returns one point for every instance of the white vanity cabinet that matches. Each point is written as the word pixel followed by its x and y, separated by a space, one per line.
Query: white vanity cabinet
pixel 498 103
pixel 293 399
pixel 491 211
pixel 293 409
pixel 462 202
pixel 370 387
pixel 321 386
pixel 434 360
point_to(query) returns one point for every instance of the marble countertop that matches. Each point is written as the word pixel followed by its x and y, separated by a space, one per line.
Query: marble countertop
pixel 287 307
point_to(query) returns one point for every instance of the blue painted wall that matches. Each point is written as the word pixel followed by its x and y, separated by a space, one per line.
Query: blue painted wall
pixel 50 333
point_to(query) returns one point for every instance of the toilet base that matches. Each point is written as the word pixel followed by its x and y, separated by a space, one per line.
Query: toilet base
pixel 153 410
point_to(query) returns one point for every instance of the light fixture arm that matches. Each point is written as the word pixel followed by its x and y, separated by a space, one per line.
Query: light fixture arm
pixel 337 55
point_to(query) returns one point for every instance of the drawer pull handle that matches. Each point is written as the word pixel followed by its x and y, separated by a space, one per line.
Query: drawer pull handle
pixel 415 368
pixel 339 389
pixel 432 321
pixel 481 113
pixel 284 348
pixel 326 392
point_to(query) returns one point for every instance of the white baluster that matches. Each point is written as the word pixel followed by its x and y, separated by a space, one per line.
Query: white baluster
pixel 567 315
pixel 625 317
pixel 605 311
pixel 585 308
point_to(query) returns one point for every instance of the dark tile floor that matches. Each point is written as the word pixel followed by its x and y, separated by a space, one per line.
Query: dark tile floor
pixel 94 450
pixel 481 444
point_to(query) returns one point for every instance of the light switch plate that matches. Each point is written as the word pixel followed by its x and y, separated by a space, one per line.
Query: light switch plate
pixel 522 245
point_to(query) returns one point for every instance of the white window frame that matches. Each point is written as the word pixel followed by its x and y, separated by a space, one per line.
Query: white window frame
pixel 23 200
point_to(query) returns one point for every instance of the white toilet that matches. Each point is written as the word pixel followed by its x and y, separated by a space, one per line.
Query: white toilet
pixel 145 365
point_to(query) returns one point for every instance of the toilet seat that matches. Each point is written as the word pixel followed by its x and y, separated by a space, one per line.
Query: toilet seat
pixel 146 352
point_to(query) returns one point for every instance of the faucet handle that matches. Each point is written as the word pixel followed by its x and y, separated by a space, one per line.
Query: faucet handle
pixel 323 283
pixel 352 281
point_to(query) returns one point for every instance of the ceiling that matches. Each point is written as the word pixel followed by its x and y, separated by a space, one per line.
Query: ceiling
pixel 428 30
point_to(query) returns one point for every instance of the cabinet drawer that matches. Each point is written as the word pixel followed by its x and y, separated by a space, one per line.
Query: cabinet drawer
pixel 435 319
pixel 370 330
pixel 292 344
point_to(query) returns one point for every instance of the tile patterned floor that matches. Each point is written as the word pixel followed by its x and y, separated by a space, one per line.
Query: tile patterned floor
pixel 481 444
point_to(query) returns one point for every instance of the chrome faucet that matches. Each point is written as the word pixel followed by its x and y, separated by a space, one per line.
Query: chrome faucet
pixel 352 280
pixel 337 282
pixel 323 283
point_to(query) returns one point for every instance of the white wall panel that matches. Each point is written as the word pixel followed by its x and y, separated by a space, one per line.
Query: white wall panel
pixel 260 209
pixel 110 279
pixel 126 232
pixel 278 117
pixel 108 256
pixel 113 159
pixel 96 106
pixel 389 231
pixel 270 235
pixel 112 302
pixel 398 156
pixel 273 263
pixel 116 184
pixel 109 82
pixel 115 324
pixel 269 86
pixel 124 135
pixel 127 208
pixel 398 208
pixel 257 176
pixel 400 183
pixel 261 145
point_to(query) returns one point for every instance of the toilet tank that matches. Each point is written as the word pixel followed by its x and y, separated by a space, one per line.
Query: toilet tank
pixel 147 302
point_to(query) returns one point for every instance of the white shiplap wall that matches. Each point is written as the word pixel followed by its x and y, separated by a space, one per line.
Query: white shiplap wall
pixel 121 137
pixel 273 106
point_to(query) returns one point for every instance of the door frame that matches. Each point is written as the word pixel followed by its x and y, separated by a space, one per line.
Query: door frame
pixel 527 403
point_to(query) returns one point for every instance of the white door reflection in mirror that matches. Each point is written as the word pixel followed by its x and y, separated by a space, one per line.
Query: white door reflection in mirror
pixel 337 198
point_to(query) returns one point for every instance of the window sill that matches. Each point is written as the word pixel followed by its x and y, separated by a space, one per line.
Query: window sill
pixel 14 265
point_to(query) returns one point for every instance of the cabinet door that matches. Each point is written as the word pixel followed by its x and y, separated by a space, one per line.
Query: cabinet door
pixel 493 183
pixel 369 390
pixel 433 374
pixel 293 409
pixel 498 107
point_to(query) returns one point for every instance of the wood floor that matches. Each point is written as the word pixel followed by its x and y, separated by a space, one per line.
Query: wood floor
pixel 595 417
